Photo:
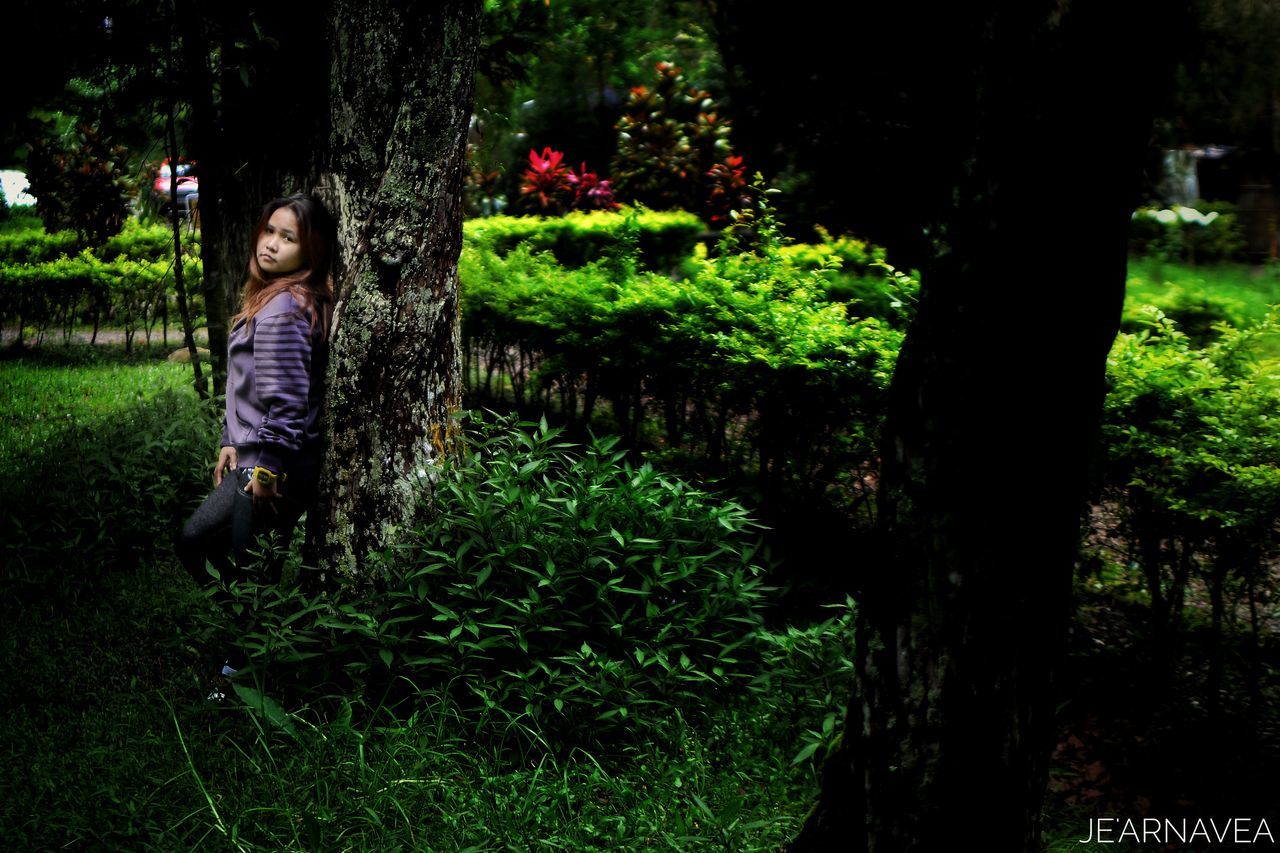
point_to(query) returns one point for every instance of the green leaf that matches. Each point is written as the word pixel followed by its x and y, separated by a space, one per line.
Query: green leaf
pixel 805 753
pixel 266 708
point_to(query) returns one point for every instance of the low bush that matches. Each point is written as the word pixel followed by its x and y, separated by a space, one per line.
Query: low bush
pixel 812 666
pixel 1192 462
pixel 550 589
pixel 32 244
pixel 127 281
pixel 26 242
pixel 663 239
pixel 747 365
pixel 1207 233
pixel 1201 316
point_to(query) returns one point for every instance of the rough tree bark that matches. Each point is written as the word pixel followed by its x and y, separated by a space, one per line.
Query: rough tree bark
pixel 999 147
pixel 401 89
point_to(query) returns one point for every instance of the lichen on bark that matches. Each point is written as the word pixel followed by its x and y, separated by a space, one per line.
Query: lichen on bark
pixel 400 115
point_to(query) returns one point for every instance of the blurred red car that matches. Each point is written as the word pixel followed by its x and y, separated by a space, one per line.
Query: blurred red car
pixel 188 184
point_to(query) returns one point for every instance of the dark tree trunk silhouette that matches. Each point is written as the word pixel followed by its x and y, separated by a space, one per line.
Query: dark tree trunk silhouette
pixel 998 148
pixel 257 80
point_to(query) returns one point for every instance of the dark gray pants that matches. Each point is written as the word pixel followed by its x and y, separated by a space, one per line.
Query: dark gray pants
pixel 225 531
pixel 225 528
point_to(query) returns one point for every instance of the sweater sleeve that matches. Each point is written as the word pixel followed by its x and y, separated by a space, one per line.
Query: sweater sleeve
pixel 282 371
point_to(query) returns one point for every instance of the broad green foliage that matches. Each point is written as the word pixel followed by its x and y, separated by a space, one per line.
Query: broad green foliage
pixel 664 239
pixel 813 666
pixel 1192 443
pixel 1197 429
pixel 554 587
pixel 748 361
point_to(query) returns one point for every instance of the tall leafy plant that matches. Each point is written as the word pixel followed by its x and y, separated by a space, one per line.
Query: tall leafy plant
pixel 554 587
pixel 674 151
pixel 80 186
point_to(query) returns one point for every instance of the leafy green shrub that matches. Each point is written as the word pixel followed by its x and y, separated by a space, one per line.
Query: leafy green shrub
pixel 1193 460
pixel 748 362
pixel 33 244
pixel 857 275
pixel 850 254
pixel 1209 232
pixel 664 239
pixel 546 584
pixel 128 279
pixel 82 187
pixel 812 667
pixel 1198 315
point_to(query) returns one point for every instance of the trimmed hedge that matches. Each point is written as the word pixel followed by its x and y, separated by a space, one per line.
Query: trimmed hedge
pixel 1192 464
pixel 746 365
pixel 26 242
pixel 663 240
pixel 127 280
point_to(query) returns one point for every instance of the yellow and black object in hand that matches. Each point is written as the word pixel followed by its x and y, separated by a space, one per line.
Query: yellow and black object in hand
pixel 266 476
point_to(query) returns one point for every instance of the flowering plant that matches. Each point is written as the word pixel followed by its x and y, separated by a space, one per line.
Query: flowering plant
pixel 728 191
pixel 558 188
pixel 546 180
pixel 590 191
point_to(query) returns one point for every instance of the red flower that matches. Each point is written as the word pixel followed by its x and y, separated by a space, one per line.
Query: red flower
pixel 546 178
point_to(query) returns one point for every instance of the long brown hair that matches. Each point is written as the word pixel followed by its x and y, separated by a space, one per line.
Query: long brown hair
pixel 312 284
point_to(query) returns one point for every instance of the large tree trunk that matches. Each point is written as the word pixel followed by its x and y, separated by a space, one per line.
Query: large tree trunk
pixel 401 88
pixel 1042 122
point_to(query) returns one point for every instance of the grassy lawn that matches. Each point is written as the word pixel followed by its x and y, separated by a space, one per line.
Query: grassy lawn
pixel 1253 289
pixel 41 398
pixel 111 744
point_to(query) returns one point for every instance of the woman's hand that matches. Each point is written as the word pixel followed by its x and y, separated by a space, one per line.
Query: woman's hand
pixel 226 461
pixel 266 498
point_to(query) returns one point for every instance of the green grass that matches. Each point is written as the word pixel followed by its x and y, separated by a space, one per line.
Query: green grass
pixel 109 742
pixel 40 398
pixel 1245 292
pixel 1253 288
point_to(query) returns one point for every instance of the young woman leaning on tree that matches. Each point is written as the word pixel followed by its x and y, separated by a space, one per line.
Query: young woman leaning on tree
pixel 268 467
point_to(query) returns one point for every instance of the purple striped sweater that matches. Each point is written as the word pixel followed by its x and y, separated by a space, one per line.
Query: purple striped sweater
pixel 275 380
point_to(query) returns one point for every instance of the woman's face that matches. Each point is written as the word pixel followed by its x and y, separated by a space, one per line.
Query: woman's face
pixel 279 250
